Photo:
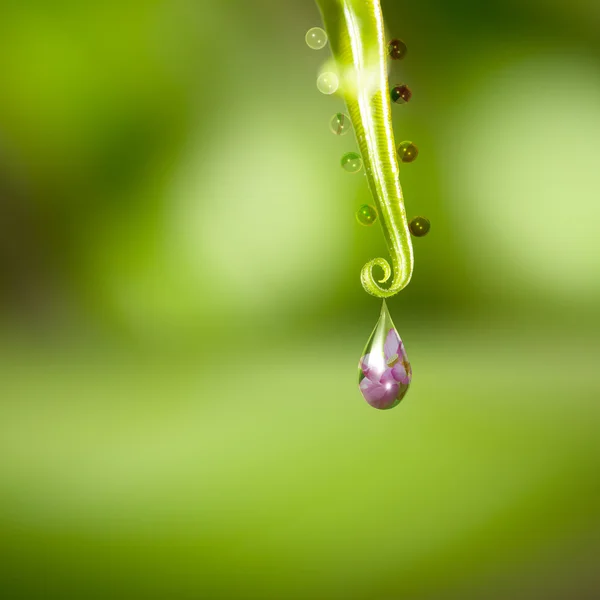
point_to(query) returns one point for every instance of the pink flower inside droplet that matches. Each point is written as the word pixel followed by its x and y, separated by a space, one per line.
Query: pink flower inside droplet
pixel 386 381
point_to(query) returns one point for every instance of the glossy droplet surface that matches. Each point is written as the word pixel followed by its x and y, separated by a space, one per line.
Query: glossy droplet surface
pixel 401 94
pixel 316 38
pixel 328 83
pixel 419 226
pixel 340 124
pixel 352 162
pixel 384 373
pixel 407 152
pixel 366 215
pixel 397 49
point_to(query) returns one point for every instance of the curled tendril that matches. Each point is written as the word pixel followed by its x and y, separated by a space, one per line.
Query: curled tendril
pixel 357 39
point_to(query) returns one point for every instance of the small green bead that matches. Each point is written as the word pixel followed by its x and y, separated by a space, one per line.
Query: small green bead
pixel 420 226
pixel 351 162
pixel 340 124
pixel 407 152
pixel 366 215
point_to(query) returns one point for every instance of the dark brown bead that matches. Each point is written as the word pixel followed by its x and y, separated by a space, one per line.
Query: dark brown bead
pixel 401 94
pixel 420 226
pixel 397 49
pixel 407 152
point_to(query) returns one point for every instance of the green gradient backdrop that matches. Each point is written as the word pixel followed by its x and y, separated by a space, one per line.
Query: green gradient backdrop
pixel 181 312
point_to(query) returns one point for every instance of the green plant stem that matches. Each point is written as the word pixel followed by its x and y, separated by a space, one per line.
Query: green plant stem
pixel 357 40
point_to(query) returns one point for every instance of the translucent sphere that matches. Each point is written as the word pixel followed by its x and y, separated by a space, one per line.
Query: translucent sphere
pixel 401 94
pixel 366 215
pixel 407 152
pixel 340 124
pixel 352 162
pixel 420 226
pixel 384 371
pixel 316 38
pixel 328 83
pixel 397 49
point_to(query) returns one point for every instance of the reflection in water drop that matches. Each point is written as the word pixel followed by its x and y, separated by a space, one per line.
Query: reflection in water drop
pixel 397 49
pixel 419 226
pixel 328 83
pixel 384 373
pixel 407 152
pixel 352 162
pixel 366 215
pixel 340 124
pixel 401 94
pixel 316 38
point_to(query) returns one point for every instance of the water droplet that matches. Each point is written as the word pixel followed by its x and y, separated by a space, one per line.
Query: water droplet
pixel 384 373
pixel 352 162
pixel 420 226
pixel 366 215
pixel 328 83
pixel 401 94
pixel 316 38
pixel 407 152
pixel 397 49
pixel 340 124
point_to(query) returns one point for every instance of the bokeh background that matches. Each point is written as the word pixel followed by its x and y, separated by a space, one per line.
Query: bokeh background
pixel 181 312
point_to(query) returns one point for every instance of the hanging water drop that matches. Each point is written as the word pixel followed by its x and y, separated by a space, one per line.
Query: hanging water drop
pixel 384 373
pixel 397 49
pixel 366 215
pixel 340 124
pixel 407 152
pixel 316 38
pixel 401 94
pixel 351 162
pixel 419 226
pixel 328 83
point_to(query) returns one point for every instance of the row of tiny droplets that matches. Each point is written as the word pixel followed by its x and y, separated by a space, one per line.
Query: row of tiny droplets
pixel 340 124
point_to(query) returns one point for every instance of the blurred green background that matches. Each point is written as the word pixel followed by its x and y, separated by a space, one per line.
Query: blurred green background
pixel 181 312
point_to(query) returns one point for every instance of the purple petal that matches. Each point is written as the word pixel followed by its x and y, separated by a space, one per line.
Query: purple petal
pixel 364 364
pixel 389 396
pixel 372 367
pixel 387 377
pixel 380 395
pixel 392 344
pixel 399 373
pixel 371 390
